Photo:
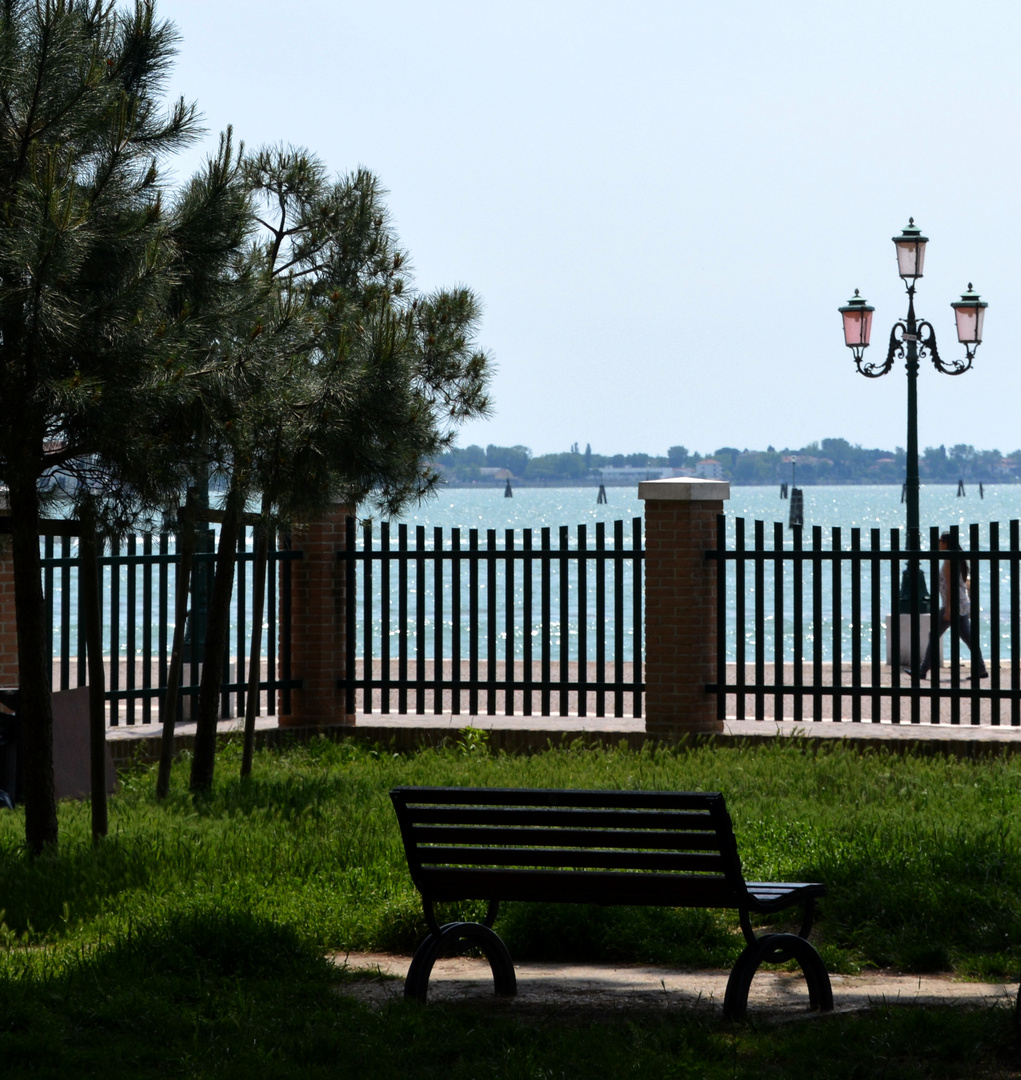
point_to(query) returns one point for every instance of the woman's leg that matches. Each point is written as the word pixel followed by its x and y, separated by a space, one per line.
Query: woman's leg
pixel 933 636
pixel 964 633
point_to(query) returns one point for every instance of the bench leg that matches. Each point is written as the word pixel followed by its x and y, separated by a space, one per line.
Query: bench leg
pixel 777 949
pixel 450 937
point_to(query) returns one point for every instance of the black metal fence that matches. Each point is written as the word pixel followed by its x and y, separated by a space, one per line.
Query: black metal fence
pixel 801 630
pixel 137 585
pixel 518 626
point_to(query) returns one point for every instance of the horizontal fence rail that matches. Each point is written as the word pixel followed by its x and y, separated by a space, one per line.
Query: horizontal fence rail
pixel 800 630
pixel 138 579
pixel 547 625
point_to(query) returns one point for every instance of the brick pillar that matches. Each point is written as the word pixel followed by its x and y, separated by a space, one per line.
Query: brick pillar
pixel 318 640
pixel 680 604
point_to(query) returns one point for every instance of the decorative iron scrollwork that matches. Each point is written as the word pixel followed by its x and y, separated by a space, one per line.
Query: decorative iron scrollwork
pixel 927 347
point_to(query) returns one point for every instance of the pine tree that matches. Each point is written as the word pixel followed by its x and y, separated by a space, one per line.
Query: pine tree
pixel 346 383
pixel 93 322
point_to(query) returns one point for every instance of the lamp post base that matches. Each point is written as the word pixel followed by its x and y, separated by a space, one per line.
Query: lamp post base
pixel 905 641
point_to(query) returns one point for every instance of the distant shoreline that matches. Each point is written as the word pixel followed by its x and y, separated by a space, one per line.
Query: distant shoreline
pixel 481 485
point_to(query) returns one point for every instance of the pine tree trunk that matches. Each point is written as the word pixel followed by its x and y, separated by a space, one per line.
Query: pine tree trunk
pixel 35 709
pixel 217 631
pixel 186 553
pixel 255 654
pixel 88 563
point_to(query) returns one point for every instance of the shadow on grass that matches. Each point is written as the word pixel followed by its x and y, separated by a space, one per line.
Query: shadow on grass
pixel 229 995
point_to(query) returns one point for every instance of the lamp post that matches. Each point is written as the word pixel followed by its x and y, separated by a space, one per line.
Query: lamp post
pixel 912 340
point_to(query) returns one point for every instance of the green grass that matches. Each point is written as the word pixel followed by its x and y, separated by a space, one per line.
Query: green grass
pixel 191 941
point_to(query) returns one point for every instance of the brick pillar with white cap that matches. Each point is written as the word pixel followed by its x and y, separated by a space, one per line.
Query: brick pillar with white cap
pixel 680 604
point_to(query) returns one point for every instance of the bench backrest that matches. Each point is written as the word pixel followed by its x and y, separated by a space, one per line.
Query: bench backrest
pixel 626 847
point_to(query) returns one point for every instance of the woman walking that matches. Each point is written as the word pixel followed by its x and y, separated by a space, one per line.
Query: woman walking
pixel 954 575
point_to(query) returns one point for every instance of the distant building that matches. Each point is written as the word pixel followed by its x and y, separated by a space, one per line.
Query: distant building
pixel 490 473
pixel 709 469
pixel 633 473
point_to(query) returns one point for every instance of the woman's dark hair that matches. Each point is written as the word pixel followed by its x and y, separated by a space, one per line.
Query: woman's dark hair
pixel 952 545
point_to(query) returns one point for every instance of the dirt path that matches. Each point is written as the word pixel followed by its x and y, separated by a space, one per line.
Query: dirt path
pixel 600 988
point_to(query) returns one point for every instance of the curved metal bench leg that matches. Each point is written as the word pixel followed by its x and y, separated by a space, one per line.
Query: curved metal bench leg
pixel 777 948
pixel 450 937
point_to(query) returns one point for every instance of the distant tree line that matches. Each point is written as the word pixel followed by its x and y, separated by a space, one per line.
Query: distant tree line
pixel 831 461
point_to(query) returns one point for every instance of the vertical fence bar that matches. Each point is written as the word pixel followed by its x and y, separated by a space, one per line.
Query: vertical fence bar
pixel 760 619
pixel 456 565
pixel 895 648
pixel 740 628
pixel 721 616
pixel 799 599
pixel 402 618
pixel 836 584
pixel 817 622
pixel 953 605
pixel 527 622
pixel 914 657
pixel 65 613
pixel 385 562
pixel 600 566
pixel 995 559
pixel 618 618
pixel 491 621
pixel 876 620
pixel 48 602
pixel 115 634
pixel 975 585
pixel 420 618
pixel 146 656
pixel 933 645
pixel 163 586
pixel 637 560
pixel 350 614
pixel 856 665
pixel 241 606
pixel 509 621
pixel 438 614
pixel 546 620
pixel 82 660
pixel 1015 623
pixel 778 621
pixel 582 621
pixel 368 607
pixel 563 570
pixel 284 608
pixel 473 622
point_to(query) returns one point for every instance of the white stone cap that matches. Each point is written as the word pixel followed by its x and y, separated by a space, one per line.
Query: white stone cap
pixel 684 489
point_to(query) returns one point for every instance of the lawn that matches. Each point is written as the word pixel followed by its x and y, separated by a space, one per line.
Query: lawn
pixel 191 942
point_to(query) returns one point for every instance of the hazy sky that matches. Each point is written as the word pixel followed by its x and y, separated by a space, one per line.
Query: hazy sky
pixel 662 204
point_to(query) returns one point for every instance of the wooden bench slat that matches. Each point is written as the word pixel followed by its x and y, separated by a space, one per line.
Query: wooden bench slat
pixel 559 817
pixel 481 835
pixel 581 887
pixel 678 862
pixel 673 800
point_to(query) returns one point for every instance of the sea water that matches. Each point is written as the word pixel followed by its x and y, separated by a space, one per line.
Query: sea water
pixel 846 507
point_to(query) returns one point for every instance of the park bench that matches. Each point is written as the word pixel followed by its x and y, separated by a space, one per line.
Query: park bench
pixel 650 848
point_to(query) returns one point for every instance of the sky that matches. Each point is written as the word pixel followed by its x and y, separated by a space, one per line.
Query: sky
pixel 661 205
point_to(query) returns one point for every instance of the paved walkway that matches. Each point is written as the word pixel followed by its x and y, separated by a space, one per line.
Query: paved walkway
pixel 513 733
pixel 595 987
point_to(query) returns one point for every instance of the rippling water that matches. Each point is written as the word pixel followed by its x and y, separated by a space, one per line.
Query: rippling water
pixel 848 507
pixel 865 506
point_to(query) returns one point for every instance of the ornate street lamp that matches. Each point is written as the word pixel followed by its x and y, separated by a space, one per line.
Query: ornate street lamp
pixel 912 340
